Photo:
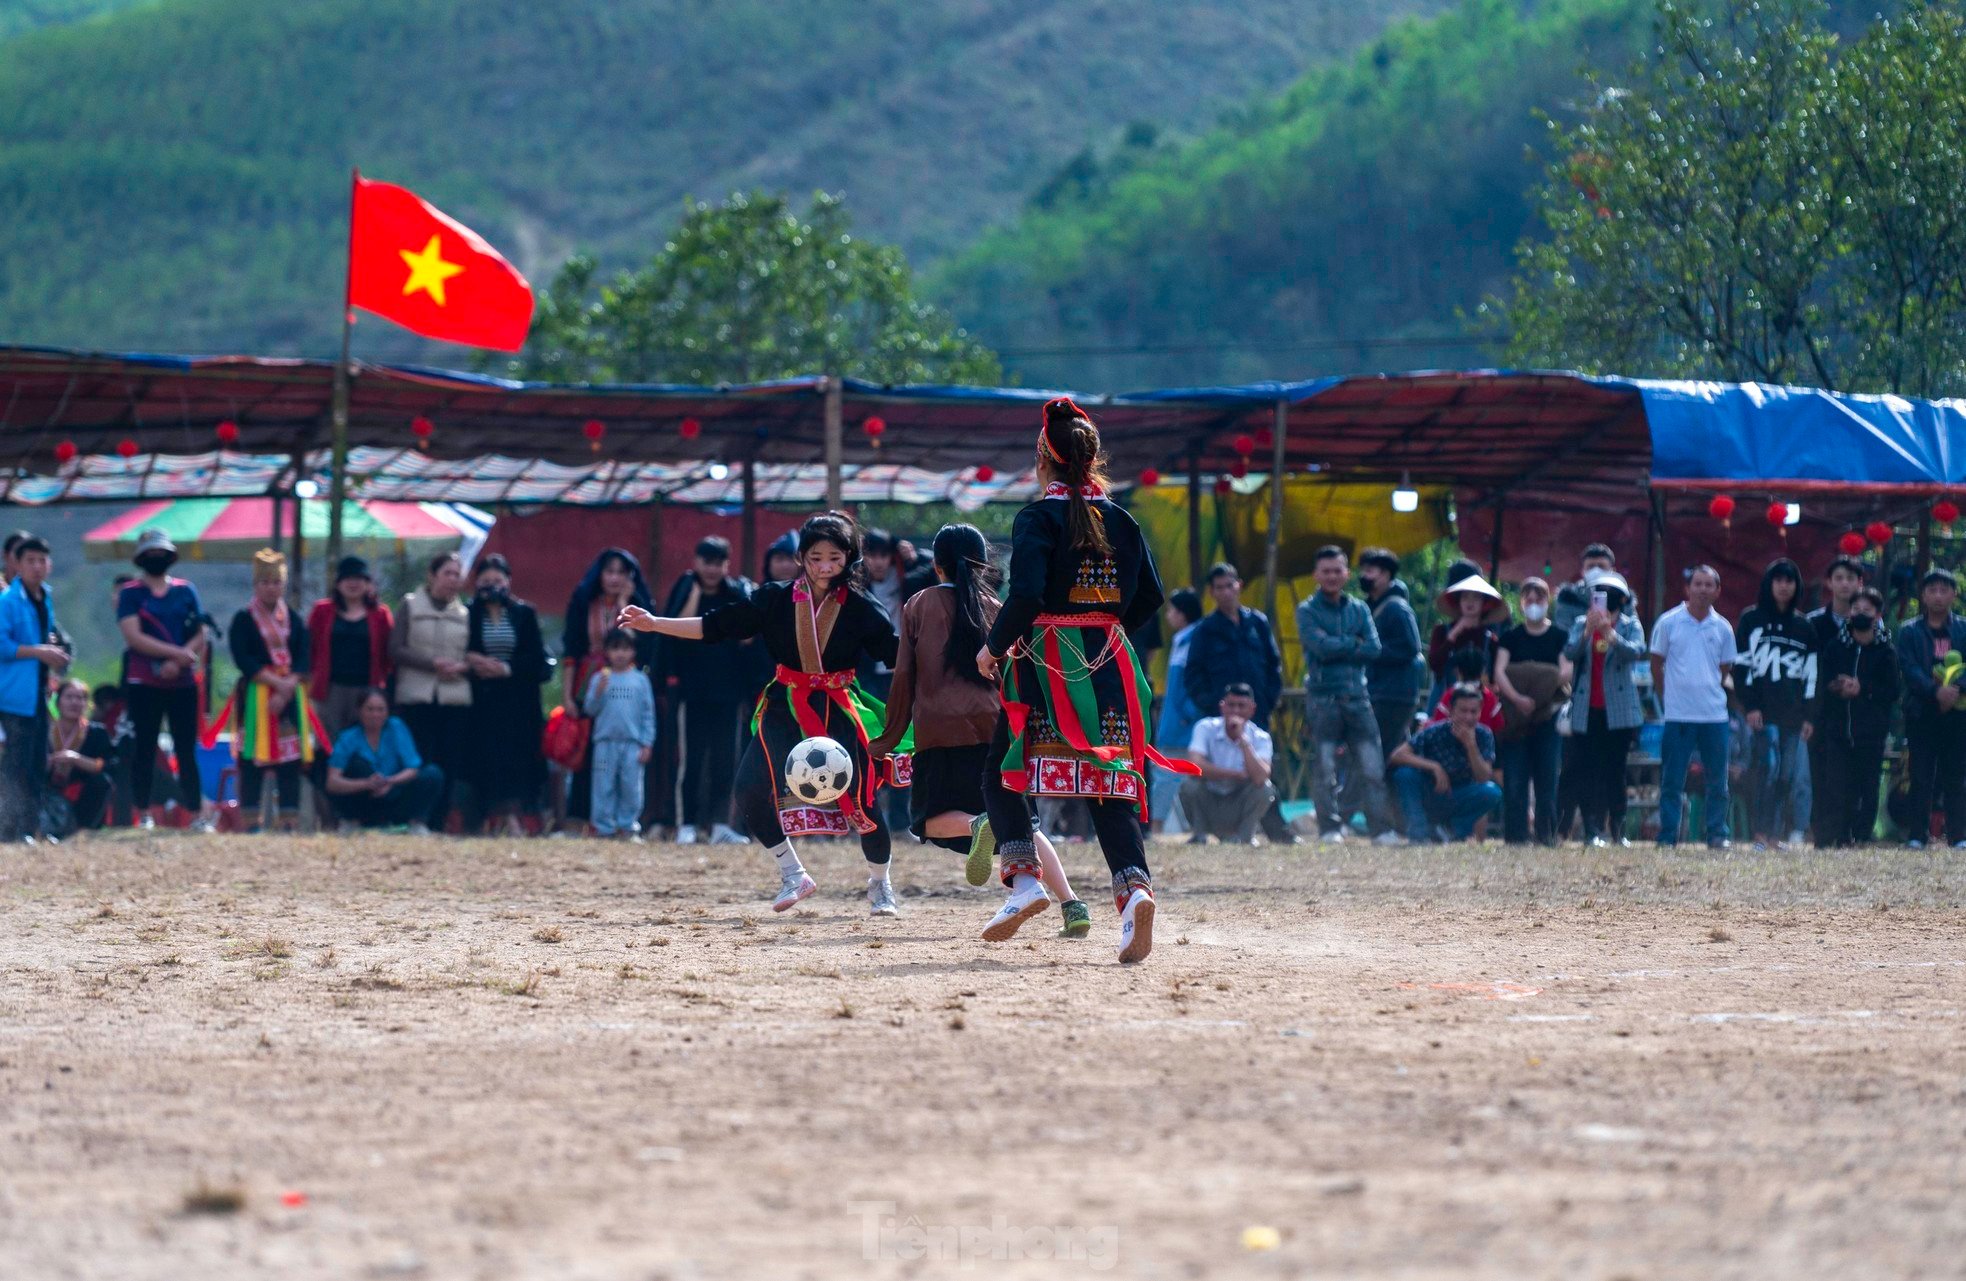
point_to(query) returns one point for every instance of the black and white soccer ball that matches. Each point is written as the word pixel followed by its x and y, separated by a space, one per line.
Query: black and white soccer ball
pixel 818 771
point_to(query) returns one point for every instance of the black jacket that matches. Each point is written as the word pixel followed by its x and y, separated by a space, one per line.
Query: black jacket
pixel 529 661
pixel 1050 576
pixel 1394 676
pixel 1776 675
pixel 722 672
pixel 1865 719
pixel 1222 651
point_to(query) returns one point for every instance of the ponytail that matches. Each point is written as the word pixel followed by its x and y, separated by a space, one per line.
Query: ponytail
pixel 1070 443
pixel 964 559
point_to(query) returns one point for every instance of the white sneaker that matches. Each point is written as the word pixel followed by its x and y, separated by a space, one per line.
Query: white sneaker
pixel 725 834
pixel 419 828
pixel 686 834
pixel 347 827
pixel 1797 840
pixel 793 889
pixel 1389 837
pixel 202 825
pixel 1137 928
pixel 1336 836
pixel 1020 907
pixel 880 897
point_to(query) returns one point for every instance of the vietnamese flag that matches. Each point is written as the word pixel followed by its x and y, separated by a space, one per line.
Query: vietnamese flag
pixel 411 263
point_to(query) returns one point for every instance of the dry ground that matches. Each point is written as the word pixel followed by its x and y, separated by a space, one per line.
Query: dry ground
pixel 568 1060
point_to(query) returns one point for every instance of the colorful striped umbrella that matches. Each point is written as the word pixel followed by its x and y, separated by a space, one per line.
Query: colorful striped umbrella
pixel 232 529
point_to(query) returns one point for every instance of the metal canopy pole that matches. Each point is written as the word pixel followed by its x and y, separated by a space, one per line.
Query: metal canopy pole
pixel 750 531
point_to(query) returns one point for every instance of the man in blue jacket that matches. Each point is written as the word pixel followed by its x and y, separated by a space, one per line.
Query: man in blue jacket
pixel 27 654
pixel 1234 645
pixel 1935 710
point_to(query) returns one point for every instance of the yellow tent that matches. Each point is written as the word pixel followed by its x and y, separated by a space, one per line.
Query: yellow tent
pixel 1235 527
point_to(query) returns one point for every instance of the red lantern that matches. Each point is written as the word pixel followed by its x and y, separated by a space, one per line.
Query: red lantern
pixel 875 427
pixel 1777 513
pixel 594 429
pixel 422 428
pixel 1149 477
pixel 1852 543
pixel 1222 487
pixel 1239 468
pixel 1245 445
pixel 985 474
pixel 689 429
pixel 1945 511
pixel 1878 532
pixel 127 447
pixel 1721 508
pixel 65 452
pixel 1265 438
pixel 227 433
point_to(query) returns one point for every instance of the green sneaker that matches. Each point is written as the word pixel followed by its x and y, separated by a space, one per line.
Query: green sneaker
pixel 1078 919
pixel 982 850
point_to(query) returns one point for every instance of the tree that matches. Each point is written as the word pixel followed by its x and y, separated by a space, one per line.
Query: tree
pixel 746 291
pixel 1759 204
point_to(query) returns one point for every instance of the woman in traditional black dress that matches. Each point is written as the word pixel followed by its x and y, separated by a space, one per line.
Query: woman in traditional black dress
pixel 816 628
pixel 1075 697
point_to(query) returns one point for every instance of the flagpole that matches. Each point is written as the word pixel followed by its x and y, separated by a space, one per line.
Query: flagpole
pixel 337 478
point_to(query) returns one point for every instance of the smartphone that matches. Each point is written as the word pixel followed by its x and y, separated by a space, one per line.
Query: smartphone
pixel 1600 600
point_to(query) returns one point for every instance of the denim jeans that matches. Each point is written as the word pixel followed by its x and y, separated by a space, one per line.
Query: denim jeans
pixel 618 786
pixel 1778 771
pixel 1678 741
pixel 1457 810
pixel 1530 761
pixel 1347 720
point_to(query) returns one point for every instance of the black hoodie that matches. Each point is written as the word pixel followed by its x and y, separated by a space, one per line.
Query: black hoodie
pixel 1864 720
pixel 1777 672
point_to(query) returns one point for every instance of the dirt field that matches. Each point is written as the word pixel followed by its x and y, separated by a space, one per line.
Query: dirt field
pixel 569 1060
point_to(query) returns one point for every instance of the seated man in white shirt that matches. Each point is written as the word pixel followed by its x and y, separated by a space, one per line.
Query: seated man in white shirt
pixel 1230 797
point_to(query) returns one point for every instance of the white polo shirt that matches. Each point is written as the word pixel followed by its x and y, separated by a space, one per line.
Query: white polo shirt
pixel 1694 649
pixel 1223 752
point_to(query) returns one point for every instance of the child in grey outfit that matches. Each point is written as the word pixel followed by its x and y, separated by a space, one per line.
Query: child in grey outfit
pixel 622 703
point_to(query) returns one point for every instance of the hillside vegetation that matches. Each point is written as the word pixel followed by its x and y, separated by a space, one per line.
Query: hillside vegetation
pixel 175 175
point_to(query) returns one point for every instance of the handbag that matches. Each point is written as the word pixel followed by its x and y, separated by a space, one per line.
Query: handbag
pixel 564 740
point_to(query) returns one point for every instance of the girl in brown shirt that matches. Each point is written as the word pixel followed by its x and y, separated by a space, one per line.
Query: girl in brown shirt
pixel 954 709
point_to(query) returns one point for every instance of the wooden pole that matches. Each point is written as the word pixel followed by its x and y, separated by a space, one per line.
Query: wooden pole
pixel 835 446
pixel 1495 539
pixel 750 530
pixel 1270 545
pixel 337 477
pixel 1194 516
pixel 1658 552
pixel 298 560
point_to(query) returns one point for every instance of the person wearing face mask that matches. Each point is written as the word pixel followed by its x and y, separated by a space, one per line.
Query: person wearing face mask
pixel 1858 674
pixel 433 685
pixel 162 621
pixel 507 662
pixel 1531 675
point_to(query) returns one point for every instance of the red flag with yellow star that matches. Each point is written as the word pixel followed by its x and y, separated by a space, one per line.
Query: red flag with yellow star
pixel 410 262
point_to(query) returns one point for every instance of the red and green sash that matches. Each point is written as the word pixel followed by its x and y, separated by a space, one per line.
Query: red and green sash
pixel 867 713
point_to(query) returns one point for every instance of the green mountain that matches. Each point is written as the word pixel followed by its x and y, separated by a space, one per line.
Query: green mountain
pixel 175 175
pixel 17 16
pixel 1341 226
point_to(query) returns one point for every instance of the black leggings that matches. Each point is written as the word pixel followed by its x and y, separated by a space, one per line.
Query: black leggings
pixel 1601 787
pixel 709 759
pixel 252 786
pixel 1116 823
pixel 757 805
pixel 150 707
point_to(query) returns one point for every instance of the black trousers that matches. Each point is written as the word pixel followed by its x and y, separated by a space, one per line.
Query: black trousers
pixel 1115 823
pixel 1600 786
pixel 709 759
pixel 443 739
pixel 23 775
pixel 150 709
pixel 252 786
pixel 404 803
pixel 757 800
pixel 1846 790
pixel 1937 741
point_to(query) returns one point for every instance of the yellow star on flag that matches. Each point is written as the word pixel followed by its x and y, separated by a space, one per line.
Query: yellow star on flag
pixel 429 271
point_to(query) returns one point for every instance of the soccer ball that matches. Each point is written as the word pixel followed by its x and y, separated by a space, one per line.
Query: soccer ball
pixel 818 771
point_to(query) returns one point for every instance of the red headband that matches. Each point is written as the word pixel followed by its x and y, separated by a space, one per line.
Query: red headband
pixel 1044 432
